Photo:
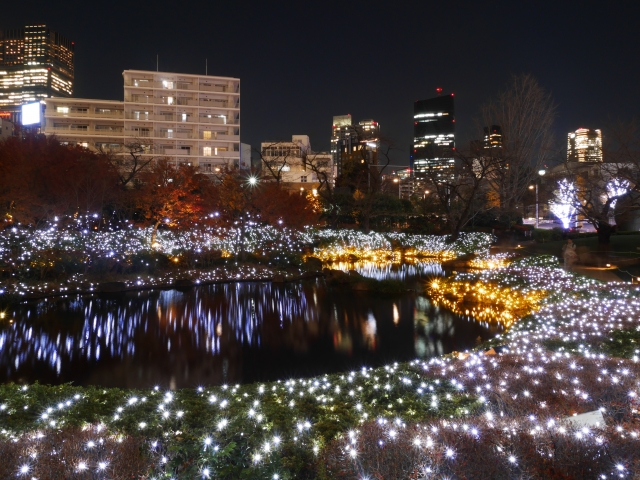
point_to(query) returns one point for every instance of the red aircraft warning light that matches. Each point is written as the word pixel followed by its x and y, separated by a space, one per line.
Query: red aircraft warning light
pixel 439 90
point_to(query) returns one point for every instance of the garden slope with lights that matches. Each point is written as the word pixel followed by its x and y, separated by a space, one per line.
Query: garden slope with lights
pixel 570 349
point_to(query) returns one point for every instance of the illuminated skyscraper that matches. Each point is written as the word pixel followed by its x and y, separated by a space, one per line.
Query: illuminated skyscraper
pixel 433 135
pixel 585 145
pixel 493 137
pixel 354 142
pixel 35 63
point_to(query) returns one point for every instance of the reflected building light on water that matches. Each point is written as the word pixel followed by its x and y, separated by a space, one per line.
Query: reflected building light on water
pixel 173 331
pixel 371 331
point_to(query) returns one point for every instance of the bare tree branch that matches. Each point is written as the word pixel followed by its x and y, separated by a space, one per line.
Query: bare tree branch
pixel 525 113
pixel 129 167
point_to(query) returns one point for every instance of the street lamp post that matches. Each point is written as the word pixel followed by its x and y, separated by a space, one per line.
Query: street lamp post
pixel 541 173
pixel 397 180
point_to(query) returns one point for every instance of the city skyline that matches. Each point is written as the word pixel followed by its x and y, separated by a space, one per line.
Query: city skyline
pixel 415 50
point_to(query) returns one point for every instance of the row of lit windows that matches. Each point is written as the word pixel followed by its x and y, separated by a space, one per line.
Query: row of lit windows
pixel 422 115
pixel 138 131
pixel 281 152
pixel 439 136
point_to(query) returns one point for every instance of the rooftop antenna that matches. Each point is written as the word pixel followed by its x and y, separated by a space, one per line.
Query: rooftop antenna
pixel 206 66
pixel 157 62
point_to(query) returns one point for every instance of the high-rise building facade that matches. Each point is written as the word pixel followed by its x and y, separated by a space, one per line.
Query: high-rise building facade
pixel 584 145
pixel 188 119
pixel 35 63
pixel 433 136
pixel 493 137
pixel 354 142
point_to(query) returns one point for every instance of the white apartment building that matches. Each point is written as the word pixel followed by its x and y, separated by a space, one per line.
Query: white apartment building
pixel 188 119
pixel 291 162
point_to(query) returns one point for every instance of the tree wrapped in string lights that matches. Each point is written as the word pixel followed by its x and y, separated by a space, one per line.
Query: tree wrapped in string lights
pixel 564 203
pixel 616 188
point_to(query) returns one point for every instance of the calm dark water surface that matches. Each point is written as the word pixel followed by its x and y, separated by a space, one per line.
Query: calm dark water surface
pixel 231 333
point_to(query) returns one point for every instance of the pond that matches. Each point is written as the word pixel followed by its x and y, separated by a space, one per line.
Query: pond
pixel 229 333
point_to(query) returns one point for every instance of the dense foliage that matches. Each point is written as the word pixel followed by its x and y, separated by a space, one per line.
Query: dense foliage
pixel 40 179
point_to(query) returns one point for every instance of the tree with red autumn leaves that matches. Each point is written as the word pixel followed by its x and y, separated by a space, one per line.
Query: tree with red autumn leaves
pixel 170 194
pixel 277 205
pixel 41 179
pixel 239 195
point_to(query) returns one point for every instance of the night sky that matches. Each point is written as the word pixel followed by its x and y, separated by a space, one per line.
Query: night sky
pixel 301 63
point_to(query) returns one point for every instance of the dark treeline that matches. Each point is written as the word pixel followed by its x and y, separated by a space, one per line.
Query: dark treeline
pixel 40 179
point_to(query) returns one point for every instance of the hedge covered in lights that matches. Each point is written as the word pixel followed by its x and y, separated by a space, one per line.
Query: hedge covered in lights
pixel 58 261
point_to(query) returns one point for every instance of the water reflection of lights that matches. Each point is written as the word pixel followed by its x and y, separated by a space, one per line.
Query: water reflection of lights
pixel 436 326
pixel 486 301
pixel 371 331
pixel 396 314
pixel 384 270
pixel 110 327
pixel 227 330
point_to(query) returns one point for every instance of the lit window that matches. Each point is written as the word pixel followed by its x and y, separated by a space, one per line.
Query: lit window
pixel 206 135
pixel 206 151
pixel 62 109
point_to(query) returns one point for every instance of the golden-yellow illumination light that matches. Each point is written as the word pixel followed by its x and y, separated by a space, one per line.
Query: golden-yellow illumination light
pixel 378 255
pixel 489 263
pixel 485 302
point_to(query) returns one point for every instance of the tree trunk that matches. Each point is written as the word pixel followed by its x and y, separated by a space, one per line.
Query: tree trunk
pixel 154 233
pixel 366 222
pixel 366 213
pixel 455 233
pixel 604 236
pixel 242 228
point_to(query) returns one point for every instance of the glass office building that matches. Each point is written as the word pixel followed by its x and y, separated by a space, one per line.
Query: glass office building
pixel 434 136
pixel 584 145
pixel 35 63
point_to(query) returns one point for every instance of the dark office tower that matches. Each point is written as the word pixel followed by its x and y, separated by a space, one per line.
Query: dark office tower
pixel 354 142
pixel 433 136
pixel 493 137
pixel 35 63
